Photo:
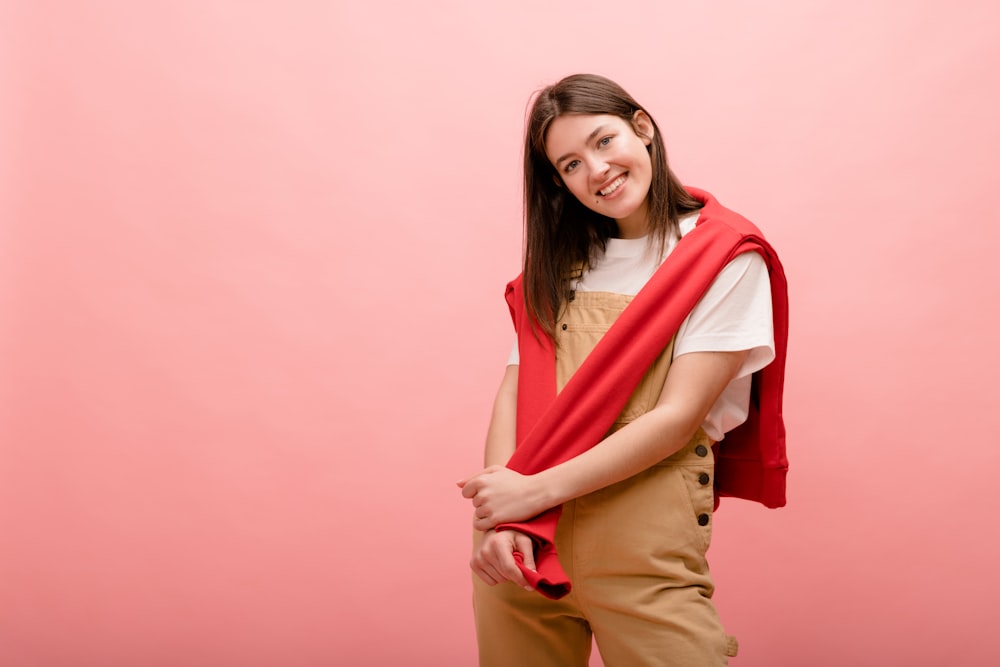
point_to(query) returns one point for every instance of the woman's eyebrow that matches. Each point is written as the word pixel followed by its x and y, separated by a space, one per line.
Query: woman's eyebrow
pixel 590 137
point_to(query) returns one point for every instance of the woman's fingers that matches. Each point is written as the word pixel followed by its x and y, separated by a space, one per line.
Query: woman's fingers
pixel 494 562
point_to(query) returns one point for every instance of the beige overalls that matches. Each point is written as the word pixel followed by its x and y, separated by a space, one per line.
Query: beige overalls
pixel 635 550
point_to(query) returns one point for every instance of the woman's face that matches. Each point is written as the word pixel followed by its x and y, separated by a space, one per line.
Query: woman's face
pixel 605 163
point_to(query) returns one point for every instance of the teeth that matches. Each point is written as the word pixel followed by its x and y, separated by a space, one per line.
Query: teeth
pixel 614 185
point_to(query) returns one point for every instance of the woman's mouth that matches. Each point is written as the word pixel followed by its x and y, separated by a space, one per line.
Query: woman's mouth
pixel 613 186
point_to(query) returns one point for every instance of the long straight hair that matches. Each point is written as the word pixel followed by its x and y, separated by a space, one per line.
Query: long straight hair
pixel 561 234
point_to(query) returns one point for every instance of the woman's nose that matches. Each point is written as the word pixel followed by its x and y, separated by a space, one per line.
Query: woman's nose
pixel 598 169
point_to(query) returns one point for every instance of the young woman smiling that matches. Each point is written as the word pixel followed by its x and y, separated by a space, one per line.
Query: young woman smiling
pixel 603 436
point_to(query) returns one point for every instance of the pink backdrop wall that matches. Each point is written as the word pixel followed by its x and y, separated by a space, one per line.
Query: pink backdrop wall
pixel 251 265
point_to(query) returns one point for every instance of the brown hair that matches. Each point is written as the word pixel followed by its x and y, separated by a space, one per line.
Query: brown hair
pixel 561 234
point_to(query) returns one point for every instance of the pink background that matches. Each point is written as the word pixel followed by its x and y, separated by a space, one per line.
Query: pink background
pixel 252 257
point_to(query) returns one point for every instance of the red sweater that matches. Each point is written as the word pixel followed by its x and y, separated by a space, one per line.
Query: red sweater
pixel 553 428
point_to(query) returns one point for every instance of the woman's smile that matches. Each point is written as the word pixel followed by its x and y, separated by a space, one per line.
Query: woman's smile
pixel 612 188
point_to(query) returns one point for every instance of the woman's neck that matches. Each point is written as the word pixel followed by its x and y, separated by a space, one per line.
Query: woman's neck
pixel 634 226
pixel 631 230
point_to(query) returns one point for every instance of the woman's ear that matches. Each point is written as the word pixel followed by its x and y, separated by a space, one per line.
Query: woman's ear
pixel 557 180
pixel 642 125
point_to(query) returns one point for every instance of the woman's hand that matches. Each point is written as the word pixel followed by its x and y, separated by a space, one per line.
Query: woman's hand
pixel 493 557
pixel 501 495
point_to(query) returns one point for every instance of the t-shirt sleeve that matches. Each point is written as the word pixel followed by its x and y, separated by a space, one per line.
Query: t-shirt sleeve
pixel 734 314
pixel 514 358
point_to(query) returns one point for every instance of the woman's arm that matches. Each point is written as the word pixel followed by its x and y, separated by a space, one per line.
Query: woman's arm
pixel 693 384
pixel 493 553
pixel 501 435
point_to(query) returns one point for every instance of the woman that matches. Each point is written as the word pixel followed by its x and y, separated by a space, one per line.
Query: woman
pixel 601 440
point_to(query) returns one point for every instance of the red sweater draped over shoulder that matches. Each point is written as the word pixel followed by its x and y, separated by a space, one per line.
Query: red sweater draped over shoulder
pixel 552 428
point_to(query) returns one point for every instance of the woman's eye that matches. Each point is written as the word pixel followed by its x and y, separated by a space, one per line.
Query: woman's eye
pixel 604 141
pixel 570 166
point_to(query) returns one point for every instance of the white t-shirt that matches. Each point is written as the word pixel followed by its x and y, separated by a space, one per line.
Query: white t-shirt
pixel 734 314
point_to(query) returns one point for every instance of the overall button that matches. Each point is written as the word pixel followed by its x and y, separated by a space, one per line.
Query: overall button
pixel 703 478
pixel 702 519
pixel 701 450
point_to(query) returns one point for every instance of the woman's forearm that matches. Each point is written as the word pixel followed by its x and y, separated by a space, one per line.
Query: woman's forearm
pixel 642 443
pixel 693 384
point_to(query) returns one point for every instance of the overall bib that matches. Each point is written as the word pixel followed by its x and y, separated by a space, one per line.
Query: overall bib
pixel 634 550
